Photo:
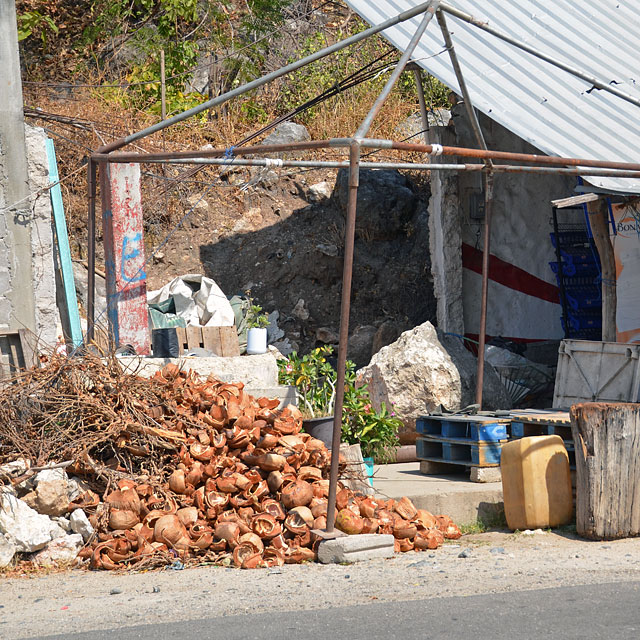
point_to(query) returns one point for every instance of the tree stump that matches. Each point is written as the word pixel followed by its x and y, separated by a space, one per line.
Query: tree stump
pixel 607 442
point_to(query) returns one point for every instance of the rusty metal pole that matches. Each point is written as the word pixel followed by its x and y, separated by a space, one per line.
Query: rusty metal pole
pixel 91 249
pixel 486 247
pixel 347 272
pixel 424 116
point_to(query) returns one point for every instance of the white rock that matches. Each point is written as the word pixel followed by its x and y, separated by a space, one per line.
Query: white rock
pixel 419 373
pixel 63 523
pixel 413 376
pixel 320 191
pixel 80 524
pixel 7 551
pixel 51 492
pixel 24 527
pixel 60 550
pixel 76 486
pixel 15 468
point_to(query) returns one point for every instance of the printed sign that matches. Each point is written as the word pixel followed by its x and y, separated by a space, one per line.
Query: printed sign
pixel 626 247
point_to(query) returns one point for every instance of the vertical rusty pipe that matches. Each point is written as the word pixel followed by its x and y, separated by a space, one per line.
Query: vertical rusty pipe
pixel 486 248
pixel 417 73
pixel 91 249
pixel 347 272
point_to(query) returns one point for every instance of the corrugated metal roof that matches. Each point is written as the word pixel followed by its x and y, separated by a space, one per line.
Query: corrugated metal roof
pixel 546 106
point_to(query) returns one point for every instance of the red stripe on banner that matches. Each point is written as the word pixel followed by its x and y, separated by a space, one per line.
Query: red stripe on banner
pixel 509 275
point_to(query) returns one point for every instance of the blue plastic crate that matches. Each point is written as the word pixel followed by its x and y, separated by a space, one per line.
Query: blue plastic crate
pixel 584 297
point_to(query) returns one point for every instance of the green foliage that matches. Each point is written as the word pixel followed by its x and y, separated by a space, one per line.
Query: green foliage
pixel 256 319
pixel 315 381
pixel 32 22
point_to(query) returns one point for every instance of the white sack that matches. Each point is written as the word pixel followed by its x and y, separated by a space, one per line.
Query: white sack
pixel 208 307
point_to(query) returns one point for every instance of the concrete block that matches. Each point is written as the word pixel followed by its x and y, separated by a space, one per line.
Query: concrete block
pixel 355 548
pixel 464 501
pixel 258 371
pixel 286 393
pixel 486 474
pixel 428 468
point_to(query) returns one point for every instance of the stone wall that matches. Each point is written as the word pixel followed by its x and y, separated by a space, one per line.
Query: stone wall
pixel 44 285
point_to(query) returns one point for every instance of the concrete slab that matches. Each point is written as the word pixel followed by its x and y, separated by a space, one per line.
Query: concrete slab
pixel 355 548
pixel 454 495
pixel 259 371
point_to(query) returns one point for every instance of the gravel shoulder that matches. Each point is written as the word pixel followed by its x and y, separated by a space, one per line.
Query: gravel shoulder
pixel 497 562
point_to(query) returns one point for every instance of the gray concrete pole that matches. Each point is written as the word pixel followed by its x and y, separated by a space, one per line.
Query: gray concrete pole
pixel 16 282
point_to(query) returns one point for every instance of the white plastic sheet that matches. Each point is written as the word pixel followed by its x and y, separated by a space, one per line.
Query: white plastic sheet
pixel 198 299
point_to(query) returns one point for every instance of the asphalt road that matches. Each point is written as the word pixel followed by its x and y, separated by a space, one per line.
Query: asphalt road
pixel 594 611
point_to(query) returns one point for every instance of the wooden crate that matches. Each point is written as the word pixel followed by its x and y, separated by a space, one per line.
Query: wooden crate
pixel 17 351
pixel 223 341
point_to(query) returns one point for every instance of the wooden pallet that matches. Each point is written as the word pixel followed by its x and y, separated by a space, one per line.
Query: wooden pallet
pixel 459 451
pixel 532 422
pixel 472 428
pixel 540 423
pixel 223 341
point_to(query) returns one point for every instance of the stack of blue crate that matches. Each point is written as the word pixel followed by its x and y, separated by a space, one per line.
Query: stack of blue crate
pixel 578 277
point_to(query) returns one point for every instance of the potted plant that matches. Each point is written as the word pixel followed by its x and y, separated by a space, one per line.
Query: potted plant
pixel 257 323
pixel 314 380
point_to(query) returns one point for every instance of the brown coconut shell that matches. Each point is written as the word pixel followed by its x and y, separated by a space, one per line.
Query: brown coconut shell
pixel 297 494
pixel 349 522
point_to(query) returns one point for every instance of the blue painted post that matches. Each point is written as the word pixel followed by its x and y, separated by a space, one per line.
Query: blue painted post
pixel 64 253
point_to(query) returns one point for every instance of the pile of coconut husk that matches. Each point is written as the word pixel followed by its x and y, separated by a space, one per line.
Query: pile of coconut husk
pixel 189 469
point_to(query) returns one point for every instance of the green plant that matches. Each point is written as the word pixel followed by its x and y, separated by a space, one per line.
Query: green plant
pixel 31 21
pixel 256 319
pixel 315 381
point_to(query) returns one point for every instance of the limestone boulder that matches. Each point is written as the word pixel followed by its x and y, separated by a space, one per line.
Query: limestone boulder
pixel 416 375
pixel 23 526
pixel 286 133
pixel 319 192
pixel 60 551
pixel 51 492
pixel 7 551
pixel 80 524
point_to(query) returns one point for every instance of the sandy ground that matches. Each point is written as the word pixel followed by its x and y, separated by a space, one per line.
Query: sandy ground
pixel 497 562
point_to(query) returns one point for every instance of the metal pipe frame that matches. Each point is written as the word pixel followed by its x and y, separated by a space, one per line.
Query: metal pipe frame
pixel 408 166
pixel 91 248
pixel 363 129
pixel 455 63
pixel 424 115
pixel 373 143
pixel 599 84
pixel 488 202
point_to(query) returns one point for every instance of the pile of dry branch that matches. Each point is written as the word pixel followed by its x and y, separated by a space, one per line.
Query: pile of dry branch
pixel 189 469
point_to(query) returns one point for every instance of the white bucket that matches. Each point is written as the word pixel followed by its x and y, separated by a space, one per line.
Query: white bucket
pixel 257 340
